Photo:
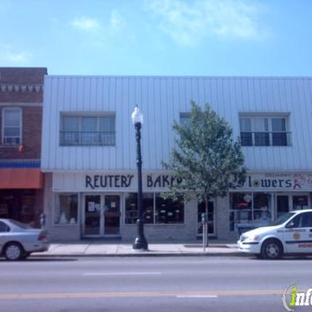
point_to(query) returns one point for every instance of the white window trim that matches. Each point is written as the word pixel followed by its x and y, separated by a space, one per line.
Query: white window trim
pixel 81 115
pixel 270 131
pixel 6 109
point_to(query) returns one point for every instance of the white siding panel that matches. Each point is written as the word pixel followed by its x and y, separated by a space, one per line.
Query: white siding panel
pixel 161 99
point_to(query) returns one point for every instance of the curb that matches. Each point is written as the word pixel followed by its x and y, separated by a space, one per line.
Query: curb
pixel 142 254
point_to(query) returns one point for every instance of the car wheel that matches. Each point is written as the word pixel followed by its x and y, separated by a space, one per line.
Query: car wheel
pixel 272 249
pixel 13 252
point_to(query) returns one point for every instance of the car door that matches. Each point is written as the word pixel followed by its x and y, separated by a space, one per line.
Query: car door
pixel 298 234
pixel 3 234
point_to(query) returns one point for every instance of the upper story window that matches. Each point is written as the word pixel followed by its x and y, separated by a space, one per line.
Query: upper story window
pixel 185 118
pixel 88 129
pixel 264 131
pixel 11 126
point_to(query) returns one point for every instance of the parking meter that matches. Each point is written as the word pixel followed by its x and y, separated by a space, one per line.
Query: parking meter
pixel 204 218
pixel 205 229
pixel 42 219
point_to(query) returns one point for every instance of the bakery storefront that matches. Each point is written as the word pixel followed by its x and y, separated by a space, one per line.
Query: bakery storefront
pixel 265 196
pixel 88 205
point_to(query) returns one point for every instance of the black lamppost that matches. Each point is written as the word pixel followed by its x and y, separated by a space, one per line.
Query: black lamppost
pixel 140 242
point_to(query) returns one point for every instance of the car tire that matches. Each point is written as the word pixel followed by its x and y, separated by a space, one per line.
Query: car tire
pixel 13 251
pixel 272 249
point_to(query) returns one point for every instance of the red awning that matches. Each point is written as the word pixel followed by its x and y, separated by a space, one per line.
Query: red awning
pixel 21 178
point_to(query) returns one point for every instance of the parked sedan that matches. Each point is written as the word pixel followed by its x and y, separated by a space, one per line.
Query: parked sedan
pixel 18 240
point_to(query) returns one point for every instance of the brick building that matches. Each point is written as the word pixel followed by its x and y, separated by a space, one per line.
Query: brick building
pixel 21 181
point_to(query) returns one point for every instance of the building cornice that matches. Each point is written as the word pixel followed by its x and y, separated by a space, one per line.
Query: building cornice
pixel 11 87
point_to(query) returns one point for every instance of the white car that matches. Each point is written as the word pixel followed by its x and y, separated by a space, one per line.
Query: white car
pixel 18 240
pixel 291 233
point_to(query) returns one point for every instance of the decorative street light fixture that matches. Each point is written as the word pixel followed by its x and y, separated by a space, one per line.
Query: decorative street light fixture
pixel 140 242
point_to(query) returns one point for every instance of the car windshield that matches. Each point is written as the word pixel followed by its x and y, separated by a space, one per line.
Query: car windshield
pixel 282 218
pixel 21 225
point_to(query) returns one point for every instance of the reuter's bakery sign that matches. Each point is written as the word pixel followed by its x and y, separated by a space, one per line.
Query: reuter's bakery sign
pixel 126 181
pixel 162 181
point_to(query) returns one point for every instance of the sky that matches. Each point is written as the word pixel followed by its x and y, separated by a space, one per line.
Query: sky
pixel 158 37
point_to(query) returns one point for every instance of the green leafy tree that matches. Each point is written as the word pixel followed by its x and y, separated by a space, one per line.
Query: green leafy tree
pixel 205 160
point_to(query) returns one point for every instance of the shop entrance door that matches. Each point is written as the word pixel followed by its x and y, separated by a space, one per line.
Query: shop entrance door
pixel 282 204
pixel 101 215
pixel 287 202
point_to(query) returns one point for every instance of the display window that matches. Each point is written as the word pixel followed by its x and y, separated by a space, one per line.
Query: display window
pixel 156 209
pixel 249 209
pixel 66 209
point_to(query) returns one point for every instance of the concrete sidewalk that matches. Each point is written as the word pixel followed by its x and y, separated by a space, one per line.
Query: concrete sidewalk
pixel 95 248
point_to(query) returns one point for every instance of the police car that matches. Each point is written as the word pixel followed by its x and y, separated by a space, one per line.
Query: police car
pixel 291 233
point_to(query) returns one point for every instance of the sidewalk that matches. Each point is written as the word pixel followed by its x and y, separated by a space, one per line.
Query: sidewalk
pixel 96 248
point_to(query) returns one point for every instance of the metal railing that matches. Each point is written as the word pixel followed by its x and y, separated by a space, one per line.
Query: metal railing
pixel 265 138
pixel 73 138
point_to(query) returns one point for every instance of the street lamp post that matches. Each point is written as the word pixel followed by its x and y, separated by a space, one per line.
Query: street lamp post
pixel 140 242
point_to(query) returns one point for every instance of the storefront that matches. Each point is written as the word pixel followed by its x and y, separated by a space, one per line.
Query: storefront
pixel 88 205
pixel 265 196
pixel 21 192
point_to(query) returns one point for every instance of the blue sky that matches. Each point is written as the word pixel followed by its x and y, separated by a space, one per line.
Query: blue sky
pixel 158 37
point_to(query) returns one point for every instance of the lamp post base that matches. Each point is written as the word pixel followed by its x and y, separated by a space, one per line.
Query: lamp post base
pixel 140 242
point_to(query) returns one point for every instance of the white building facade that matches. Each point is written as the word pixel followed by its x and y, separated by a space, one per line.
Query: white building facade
pixel 89 153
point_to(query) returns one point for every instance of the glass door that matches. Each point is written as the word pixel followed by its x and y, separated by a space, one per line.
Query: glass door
pixel 92 215
pixel 112 215
pixel 300 202
pixel 282 204
pixel 287 202
pixel 101 215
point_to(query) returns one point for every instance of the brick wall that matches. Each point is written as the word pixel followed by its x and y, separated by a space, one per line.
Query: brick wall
pixel 23 88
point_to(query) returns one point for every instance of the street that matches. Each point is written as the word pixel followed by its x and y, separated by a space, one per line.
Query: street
pixel 150 284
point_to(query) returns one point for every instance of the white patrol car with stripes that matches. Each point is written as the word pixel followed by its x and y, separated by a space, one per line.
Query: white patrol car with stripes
pixel 291 233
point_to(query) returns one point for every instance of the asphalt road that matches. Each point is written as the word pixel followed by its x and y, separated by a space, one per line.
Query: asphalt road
pixel 150 284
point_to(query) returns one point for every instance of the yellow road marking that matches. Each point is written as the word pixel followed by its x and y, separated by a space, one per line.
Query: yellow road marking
pixel 88 295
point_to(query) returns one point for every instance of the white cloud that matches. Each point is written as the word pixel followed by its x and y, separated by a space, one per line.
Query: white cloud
pixel 115 20
pixel 188 22
pixel 7 54
pixel 85 23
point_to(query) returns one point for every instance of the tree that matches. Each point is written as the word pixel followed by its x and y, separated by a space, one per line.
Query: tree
pixel 205 160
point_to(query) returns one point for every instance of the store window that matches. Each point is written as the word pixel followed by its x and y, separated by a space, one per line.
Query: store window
pixel 169 210
pixel 87 130
pixel 249 210
pixel 18 205
pixel 264 131
pixel 11 126
pixel 156 209
pixel 66 209
pixel 131 210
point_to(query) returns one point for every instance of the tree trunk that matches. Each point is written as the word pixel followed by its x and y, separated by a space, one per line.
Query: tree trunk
pixel 206 208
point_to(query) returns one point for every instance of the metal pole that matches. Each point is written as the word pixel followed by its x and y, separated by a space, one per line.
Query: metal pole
pixel 140 242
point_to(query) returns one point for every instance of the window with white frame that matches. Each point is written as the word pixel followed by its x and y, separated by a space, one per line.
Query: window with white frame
pixel 11 126
pixel 264 130
pixel 87 129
